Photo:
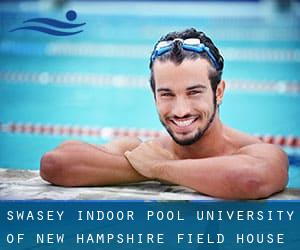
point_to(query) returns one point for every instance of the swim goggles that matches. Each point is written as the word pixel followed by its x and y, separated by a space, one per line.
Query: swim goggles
pixel 190 44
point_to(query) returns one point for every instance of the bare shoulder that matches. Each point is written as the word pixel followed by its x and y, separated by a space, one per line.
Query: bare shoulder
pixel 121 145
pixel 270 152
pixel 253 146
pixel 239 138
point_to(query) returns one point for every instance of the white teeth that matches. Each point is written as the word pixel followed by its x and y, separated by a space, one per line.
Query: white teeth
pixel 184 123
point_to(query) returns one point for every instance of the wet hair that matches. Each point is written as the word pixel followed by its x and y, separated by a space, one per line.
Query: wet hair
pixel 177 54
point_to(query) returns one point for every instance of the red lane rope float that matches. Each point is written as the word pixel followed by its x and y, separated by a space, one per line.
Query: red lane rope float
pixel 107 132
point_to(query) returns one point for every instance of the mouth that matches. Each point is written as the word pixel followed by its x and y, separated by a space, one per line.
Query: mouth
pixel 184 125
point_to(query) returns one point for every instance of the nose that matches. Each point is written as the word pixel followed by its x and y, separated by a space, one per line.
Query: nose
pixel 181 107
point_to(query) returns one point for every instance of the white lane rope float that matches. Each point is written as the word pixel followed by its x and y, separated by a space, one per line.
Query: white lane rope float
pixel 109 132
pixel 140 51
pixel 122 81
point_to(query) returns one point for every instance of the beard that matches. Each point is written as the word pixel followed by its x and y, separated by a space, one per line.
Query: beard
pixel 197 136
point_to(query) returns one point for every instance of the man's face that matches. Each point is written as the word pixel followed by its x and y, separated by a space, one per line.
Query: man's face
pixel 184 98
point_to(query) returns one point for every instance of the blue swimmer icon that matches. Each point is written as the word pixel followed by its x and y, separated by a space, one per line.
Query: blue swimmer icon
pixel 71 15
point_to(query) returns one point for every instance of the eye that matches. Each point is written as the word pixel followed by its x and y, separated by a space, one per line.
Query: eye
pixel 194 92
pixel 167 94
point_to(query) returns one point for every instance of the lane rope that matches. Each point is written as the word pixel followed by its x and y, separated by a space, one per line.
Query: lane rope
pixel 109 132
pixel 139 51
pixel 121 81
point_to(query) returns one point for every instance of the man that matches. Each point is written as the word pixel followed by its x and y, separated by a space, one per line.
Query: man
pixel 200 151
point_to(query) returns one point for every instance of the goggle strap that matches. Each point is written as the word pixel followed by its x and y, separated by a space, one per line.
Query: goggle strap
pixel 200 49
pixel 196 48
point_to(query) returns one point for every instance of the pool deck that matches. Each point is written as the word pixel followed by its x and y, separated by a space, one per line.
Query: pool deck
pixel 27 185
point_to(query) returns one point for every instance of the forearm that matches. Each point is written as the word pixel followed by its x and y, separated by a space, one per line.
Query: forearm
pixel 240 177
pixel 111 170
pixel 86 165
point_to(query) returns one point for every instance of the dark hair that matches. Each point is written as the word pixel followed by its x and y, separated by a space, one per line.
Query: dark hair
pixel 177 55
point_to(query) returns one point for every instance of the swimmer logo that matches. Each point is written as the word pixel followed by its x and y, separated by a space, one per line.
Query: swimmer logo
pixel 70 15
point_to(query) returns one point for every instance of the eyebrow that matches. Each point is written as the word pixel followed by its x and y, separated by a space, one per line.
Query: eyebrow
pixel 164 89
pixel 198 86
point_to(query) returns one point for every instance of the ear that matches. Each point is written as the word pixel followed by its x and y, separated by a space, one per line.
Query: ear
pixel 220 92
pixel 154 95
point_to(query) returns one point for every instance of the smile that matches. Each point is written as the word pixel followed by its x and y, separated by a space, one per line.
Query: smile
pixel 183 123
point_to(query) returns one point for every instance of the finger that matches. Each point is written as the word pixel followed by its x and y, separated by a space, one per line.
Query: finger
pixel 127 153
pixel 129 156
pixel 163 151
pixel 150 142
pixel 157 147
pixel 153 143
pixel 153 146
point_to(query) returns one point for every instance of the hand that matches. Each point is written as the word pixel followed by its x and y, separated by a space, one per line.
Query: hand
pixel 145 158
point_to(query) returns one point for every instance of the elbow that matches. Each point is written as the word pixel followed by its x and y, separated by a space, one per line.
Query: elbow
pixel 46 164
pixel 255 188
pixel 258 189
pixel 245 188
pixel 52 169
pixel 257 184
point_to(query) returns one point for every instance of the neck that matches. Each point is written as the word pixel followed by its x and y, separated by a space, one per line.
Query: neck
pixel 212 143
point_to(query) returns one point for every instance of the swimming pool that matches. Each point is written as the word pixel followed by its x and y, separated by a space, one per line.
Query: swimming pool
pixel 94 85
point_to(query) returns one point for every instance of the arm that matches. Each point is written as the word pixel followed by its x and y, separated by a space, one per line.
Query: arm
pixel 256 171
pixel 76 163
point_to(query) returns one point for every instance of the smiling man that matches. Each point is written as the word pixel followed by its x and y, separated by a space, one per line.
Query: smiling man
pixel 200 152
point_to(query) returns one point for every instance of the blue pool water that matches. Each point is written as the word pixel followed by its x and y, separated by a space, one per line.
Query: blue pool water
pixel 51 80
